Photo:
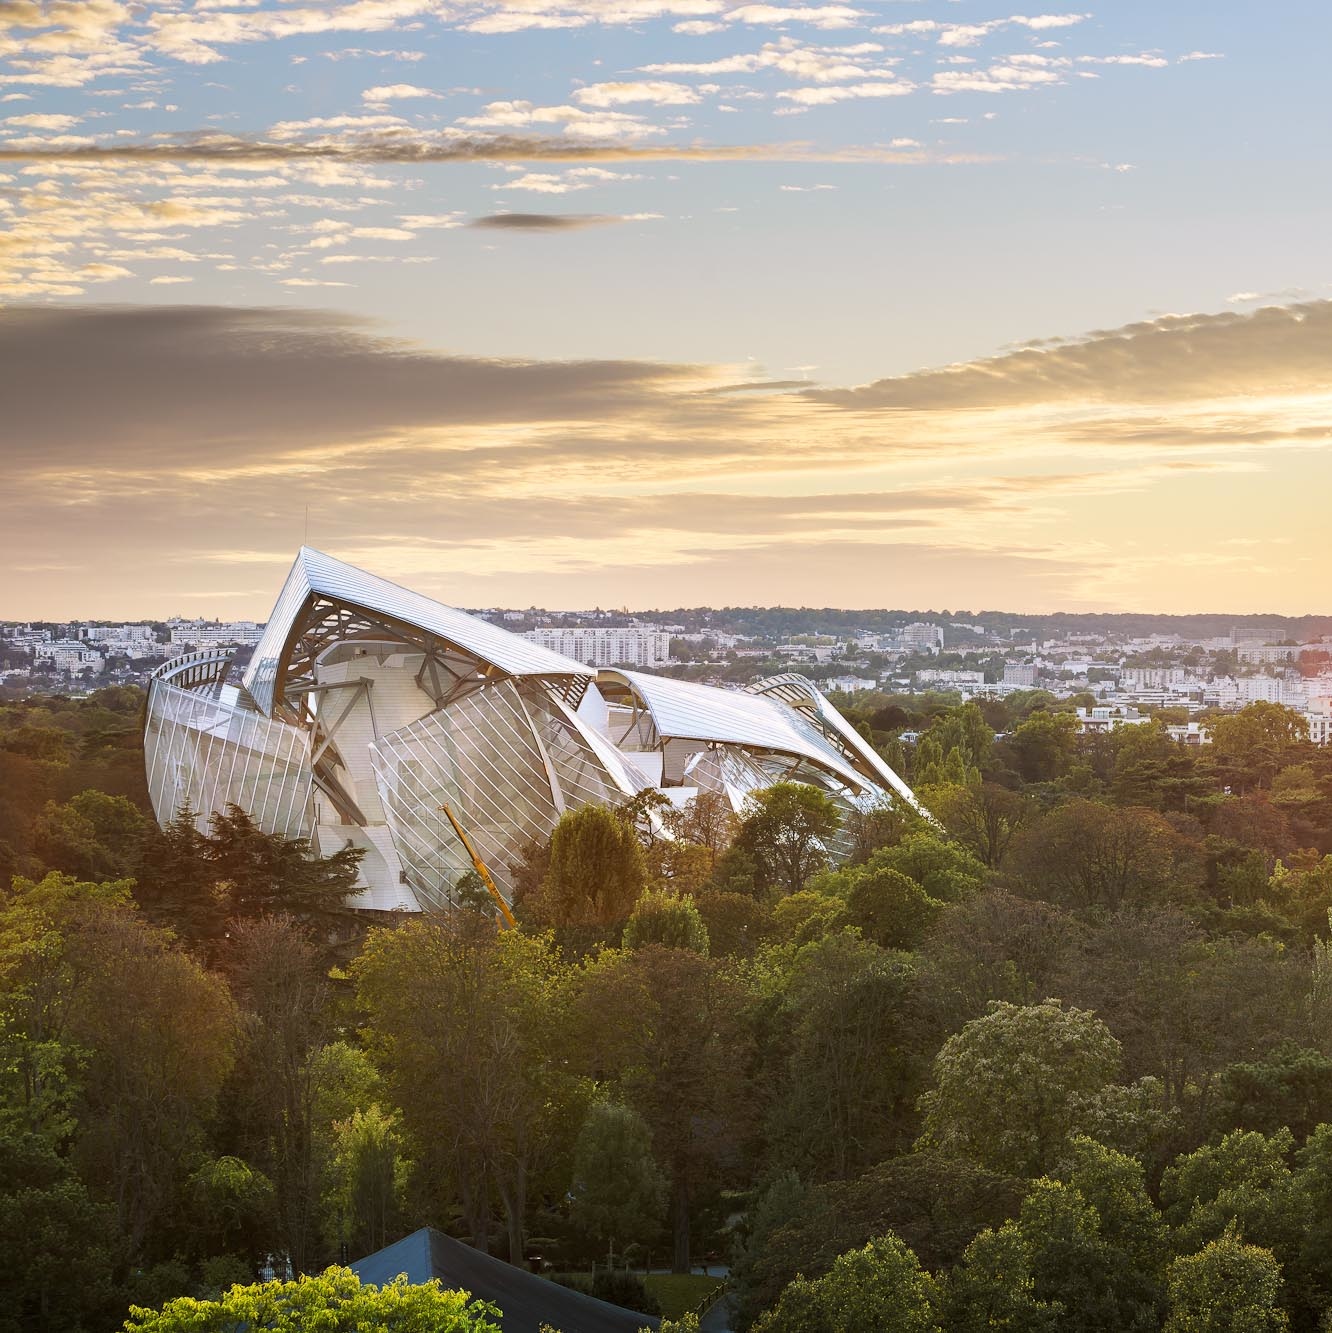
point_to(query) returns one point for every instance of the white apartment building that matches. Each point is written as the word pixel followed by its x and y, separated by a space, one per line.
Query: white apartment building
pixel 852 684
pixel 1021 675
pixel 68 655
pixel 969 680
pixel 213 633
pixel 918 637
pixel 631 646
pixel 1268 652
pixel 1109 717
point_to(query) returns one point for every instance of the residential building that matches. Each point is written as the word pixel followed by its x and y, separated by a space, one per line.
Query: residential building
pixel 632 646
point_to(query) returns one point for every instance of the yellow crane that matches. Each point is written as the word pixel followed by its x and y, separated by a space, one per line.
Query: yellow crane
pixel 481 869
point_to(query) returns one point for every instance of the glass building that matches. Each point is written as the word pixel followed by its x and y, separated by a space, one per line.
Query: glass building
pixel 366 708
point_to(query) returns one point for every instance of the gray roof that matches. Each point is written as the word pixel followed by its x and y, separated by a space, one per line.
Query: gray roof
pixel 525 1300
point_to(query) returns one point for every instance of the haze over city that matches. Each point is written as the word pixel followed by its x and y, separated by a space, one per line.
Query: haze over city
pixel 665 302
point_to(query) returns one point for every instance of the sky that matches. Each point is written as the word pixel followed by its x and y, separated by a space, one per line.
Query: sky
pixel 656 303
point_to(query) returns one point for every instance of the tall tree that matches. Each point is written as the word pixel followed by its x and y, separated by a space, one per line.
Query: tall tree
pixel 472 1032
pixel 668 1027
pixel 785 835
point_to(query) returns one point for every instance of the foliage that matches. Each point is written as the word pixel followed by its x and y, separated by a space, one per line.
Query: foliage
pixel 334 1302
pixel 1012 1087
pixel 667 919
pixel 1227 1287
pixel 785 835
pixel 879 1286
pixel 596 871
pixel 618 1191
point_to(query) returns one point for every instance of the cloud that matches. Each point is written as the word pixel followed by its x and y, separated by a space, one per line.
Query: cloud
pixel 396 92
pixel 623 94
pixel 446 146
pixel 42 122
pixel 844 92
pixel 555 221
pixel 983 481
pixel 1273 351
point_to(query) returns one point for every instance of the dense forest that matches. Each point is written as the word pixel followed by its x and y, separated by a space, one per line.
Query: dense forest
pixel 1057 1057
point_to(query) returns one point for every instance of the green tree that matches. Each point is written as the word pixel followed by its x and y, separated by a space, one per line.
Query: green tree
pixel 1042 748
pixel 1243 1183
pixel 668 1028
pixel 471 1030
pixel 983 818
pixel 1087 855
pixel 618 1191
pixel 596 871
pixel 1251 747
pixel 1227 1287
pixel 1054 1267
pixel 667 919
pixel 334 1302
pixel 92 836
pixel 1013 1087
pixel 846 1059
pixel 785 834
pixel 368 1180
pixel 946 871
pixel 889 907
pixel 1152 770
pixel 881 1286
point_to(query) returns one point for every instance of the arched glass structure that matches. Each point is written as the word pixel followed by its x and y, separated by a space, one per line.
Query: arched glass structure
pixel 367 707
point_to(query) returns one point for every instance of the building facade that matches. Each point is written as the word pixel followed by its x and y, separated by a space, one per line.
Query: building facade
pixel 599 647
pixel 367 708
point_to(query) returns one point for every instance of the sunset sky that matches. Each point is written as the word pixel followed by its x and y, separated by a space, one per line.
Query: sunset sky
pixel 906 303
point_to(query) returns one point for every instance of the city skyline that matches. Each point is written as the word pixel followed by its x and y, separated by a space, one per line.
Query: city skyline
pixel 665 303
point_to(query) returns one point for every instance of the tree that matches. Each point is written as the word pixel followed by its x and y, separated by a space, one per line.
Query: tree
pixel 881 1286
pixel 946 871
pixel 1054 1266
pixel 58 1242
pixel 368 1178
pixel 1289 1085
pixel 1153 770
pixel 596 871
pixel 888 907
pixel 1013 1087
pixel 984 818
pixel 786 833
pixel 667 919
pixel 1249 748
pixel 280 982
pixel 1227 1287
pixel 335 1302
pixel 92 836
pixel 119 1041
pixel 618 1191
pixel 935 1203
pixel 846 1059
pixel 199 883
pixel 1085 855
pixel 1042 748
pixel 471 1030
pixel 1244 1182
pixel 676 1049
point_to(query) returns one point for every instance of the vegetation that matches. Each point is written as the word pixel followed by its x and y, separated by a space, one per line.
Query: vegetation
pixel 1060 1060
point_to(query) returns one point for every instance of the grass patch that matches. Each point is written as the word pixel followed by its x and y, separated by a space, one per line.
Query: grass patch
pixel 678 1293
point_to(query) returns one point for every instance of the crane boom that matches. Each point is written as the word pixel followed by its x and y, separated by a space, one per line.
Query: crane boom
pixel 481 868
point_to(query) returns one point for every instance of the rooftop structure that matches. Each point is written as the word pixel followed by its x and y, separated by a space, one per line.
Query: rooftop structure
pixel 366 708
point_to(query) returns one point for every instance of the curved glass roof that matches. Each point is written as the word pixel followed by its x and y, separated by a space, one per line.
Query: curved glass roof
pixel 801 691
pixel 684 710
pixel 316 575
